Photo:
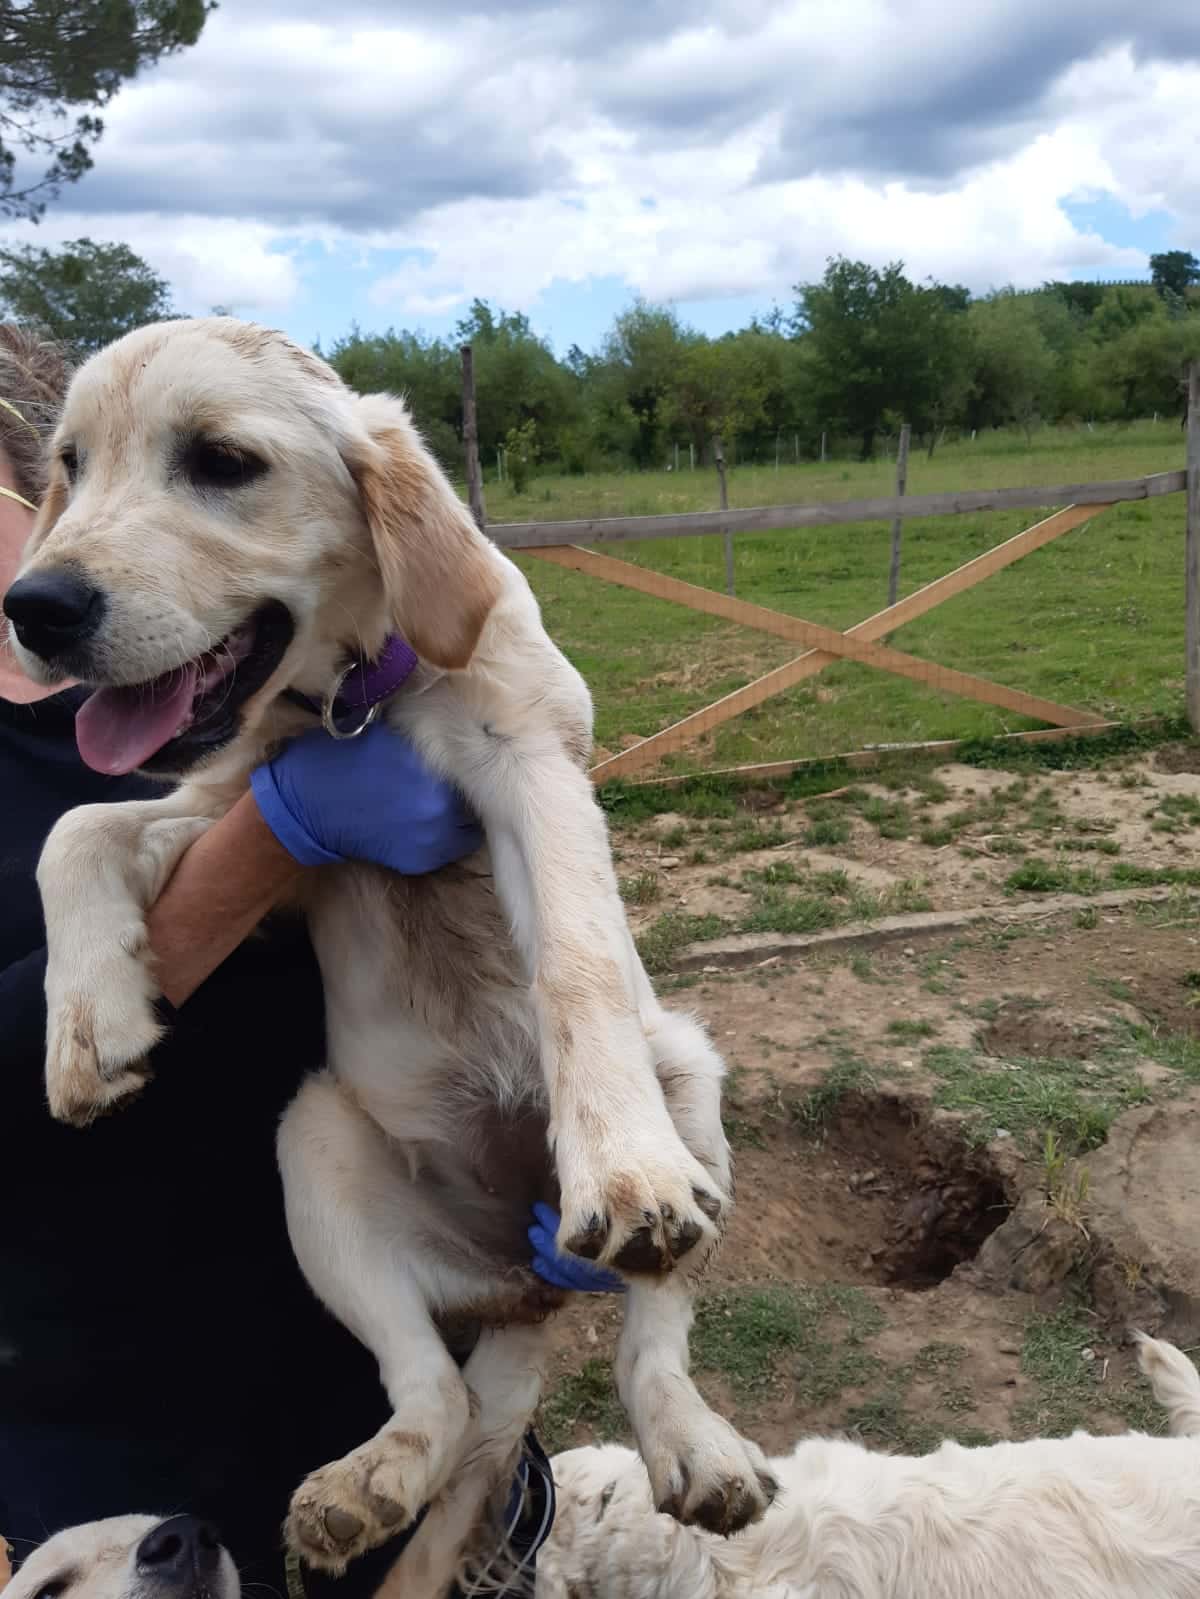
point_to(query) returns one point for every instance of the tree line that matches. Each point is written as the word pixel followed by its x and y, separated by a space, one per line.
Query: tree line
pixel 858 352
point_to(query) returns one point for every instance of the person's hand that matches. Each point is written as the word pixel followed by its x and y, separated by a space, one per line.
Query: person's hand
pixel 566 1271
pixel 369 798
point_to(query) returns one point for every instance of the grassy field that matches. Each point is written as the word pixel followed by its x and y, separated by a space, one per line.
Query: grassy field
pixel 1095 620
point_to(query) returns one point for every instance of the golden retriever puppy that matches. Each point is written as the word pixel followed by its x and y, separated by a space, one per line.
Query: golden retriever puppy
pixel 1067 1518
pixel 233 547
pixel 129 1557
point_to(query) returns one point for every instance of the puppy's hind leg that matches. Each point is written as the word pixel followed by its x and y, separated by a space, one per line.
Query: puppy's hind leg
pixel 701 1470
pixel 350 1215
pixel 458 1540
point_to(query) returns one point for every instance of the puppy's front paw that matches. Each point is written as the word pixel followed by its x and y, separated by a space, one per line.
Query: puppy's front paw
pixel 640 1204
pixel 358 1503
pixel 711 1477
pixel 99 1035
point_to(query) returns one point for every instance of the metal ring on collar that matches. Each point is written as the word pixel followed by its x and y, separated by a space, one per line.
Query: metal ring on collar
pixel 330 700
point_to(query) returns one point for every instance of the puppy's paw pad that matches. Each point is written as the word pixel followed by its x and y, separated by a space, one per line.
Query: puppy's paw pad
pixel 358 1503
pixel 646 1217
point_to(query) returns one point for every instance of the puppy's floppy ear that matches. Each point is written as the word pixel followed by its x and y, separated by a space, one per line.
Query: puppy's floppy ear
pixel 439 572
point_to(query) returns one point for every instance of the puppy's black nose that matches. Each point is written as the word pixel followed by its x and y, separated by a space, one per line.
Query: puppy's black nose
pixel 179 1548
pixel 53 611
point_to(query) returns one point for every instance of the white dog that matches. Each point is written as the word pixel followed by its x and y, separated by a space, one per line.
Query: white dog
pixel 231 538
pixel 1071 1518
pixel 1075 1518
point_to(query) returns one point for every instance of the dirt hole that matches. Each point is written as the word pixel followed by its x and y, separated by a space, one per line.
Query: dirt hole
pixel 1044 1032
pixel 916 1200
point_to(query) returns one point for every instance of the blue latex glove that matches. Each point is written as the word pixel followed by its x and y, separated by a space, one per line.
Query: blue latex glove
pixel 566 1271
pixel 369 798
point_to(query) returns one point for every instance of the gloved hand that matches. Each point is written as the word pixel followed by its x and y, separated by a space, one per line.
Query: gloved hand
pixel 566 1271
pixel 369 798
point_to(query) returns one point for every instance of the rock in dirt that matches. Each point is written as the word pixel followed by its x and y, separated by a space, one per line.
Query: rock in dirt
pixel 1032 1253
pixel 1138 1239
pixel 1143 1211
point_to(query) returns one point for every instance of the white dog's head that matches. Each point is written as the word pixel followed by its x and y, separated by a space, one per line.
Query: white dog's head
pixel 224 520
pixel 129 1557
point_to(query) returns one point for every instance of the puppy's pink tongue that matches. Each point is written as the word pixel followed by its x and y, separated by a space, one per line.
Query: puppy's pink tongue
pixel 117 729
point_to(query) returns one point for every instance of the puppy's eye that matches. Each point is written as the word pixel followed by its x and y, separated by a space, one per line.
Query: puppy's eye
pixel 221 466
pixel 70 465
pixel 51 1590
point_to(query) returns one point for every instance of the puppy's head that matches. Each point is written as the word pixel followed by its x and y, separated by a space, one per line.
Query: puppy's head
pixel 129 1557
pixel 224 520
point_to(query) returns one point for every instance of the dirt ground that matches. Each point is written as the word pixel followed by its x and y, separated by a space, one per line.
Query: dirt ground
pixel 936 1226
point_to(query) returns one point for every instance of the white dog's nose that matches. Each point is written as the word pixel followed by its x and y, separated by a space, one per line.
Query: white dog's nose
pixel 178 1549
pixel 53 611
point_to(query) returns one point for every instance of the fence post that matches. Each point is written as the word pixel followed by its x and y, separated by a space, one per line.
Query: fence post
pixel 822 447
pixel 1193 548
pixel 719 454
pixel 898 524
pixel 471 441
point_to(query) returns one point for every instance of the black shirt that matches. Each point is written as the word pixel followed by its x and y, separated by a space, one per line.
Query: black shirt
pixel 159 1349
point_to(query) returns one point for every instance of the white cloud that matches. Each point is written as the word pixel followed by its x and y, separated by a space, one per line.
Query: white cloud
pixel 231 263
pixel 725 150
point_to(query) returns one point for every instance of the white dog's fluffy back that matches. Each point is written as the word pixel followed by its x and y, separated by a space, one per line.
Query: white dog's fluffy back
pixel 1071 1518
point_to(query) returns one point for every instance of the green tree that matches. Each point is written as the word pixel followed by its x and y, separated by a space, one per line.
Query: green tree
pixel 881 348
pixel 427 372
pixel 61 62
pixel 720 387
pixel 1174 271
pixel 517 379
pixel 1144 370
pixel 1080 298
pixel 85 294
pixel 1012 364
pixel 641 358
pixel 1122 307
pixel 521 451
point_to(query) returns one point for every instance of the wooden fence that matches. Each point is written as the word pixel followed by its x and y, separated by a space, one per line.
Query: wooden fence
pixel 570 544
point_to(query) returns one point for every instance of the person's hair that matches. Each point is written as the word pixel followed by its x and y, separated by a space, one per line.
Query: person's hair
pixel 34 373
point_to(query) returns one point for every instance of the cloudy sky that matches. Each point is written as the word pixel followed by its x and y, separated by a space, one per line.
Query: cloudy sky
pixel 316 162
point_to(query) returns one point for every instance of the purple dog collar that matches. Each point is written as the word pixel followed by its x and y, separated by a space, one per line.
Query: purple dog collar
pixel 362 686
pixel 368 683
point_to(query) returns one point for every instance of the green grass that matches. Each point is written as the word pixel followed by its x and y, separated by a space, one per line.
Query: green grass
pixel 743 1335
pixel 813 1111
pixel 1095 619
pixel 587 1398
pixel 663 939
pixel 1180 1052
pixel 1176 813
pixel 826 830
pixel 1068 1387
pixel 905 1031
pixel 1077 1101
pixel 641 888
pixel 740 1334
pixel 1040 876
pixel 780 898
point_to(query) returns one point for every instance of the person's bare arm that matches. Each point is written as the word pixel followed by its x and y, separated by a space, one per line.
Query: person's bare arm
pixel 222 888
pixel 319 802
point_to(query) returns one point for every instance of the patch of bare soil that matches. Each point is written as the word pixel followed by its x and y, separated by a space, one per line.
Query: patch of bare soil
pixel 960 843
pixel 1020 1027
pixel 927 1263
pixel 1177 758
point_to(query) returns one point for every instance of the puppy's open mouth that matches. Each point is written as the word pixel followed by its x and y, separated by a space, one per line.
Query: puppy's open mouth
pixel 169 722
